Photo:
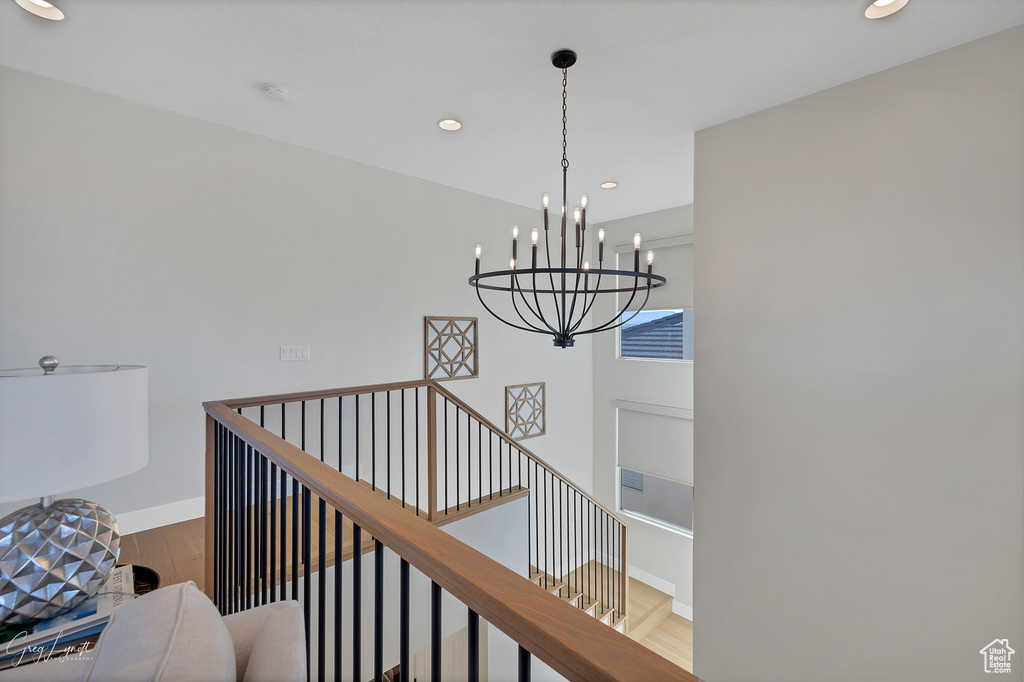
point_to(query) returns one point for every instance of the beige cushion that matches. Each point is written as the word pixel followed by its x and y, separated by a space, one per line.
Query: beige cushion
pixel 270 642
pixel 173 633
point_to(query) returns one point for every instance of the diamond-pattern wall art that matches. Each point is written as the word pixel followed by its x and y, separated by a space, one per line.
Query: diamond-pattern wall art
pixel 450 348
pixel 524 411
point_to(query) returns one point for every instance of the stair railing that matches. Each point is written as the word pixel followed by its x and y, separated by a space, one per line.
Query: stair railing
pixel 420 444
pixel 262 535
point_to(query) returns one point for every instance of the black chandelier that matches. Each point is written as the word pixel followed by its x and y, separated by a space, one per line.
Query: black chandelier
pixel 568 293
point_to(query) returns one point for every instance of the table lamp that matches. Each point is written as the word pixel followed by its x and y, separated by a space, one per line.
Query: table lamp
pixel 62 429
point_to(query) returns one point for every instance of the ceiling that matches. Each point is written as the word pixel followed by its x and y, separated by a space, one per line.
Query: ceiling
pixel 369 80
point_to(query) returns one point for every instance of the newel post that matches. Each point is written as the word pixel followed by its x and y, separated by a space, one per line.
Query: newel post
pixel 431 453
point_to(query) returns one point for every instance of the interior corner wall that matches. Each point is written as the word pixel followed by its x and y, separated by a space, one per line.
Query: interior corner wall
pixel 130 234
pixel 859 448
pixel 653 550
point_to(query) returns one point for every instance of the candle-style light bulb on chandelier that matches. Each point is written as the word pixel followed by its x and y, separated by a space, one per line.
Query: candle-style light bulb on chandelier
pixel 556 300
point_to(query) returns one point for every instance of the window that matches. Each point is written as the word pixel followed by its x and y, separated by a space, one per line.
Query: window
pixel 663 330
pixel 656 499
pixel 655 463
pixel 658 335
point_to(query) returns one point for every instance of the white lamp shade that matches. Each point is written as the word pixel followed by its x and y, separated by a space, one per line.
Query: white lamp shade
pixel 72 429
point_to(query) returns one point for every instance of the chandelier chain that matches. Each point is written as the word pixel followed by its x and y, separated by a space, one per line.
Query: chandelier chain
pixel 565 81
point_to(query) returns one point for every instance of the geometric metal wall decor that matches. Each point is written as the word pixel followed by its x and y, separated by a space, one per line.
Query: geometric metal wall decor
pixel 524 411
pixel 451 349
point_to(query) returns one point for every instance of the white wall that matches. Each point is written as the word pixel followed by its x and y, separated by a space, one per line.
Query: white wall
pixel 129 234
pixel 860 437
pixel 654 551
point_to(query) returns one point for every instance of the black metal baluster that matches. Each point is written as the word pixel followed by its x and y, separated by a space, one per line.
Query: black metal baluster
pixel 578 540
pixel 524 664
pixel 378 611
pixel 338 563
pixel 321 436
pixel 474 646
pixel 592 539
pixel 357 601
pixel 339 559
pixel 302 425
pixel 435 632
pixel 321 610
pixel 403 621
pixel 239 526
pixel 295 541
pixel 261 523
pixel 247 496
pixel 373 441
pixel 225 523
pixel 458 462
pixel 357 436
pixel 307 545
pixel 218 513
pixel 520 467
pixel 230 575
pixel 560 561
pixel 388 439
pixel 403 448
pixel 531 523
pixel 544 525
pixel 283 503
pixel 490 451
pixel 264 531
pixel 417 394
pixel 272 536
pixel 446 479
pixel 480 462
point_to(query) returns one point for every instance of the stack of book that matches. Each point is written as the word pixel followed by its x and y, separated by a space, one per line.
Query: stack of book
pixel 67 634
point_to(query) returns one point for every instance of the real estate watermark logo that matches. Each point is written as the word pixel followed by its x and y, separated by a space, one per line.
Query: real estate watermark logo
pixel 997 656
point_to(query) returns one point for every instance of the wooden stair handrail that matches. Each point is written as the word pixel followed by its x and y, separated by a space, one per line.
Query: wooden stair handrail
pixel 237 403
pixel 568 640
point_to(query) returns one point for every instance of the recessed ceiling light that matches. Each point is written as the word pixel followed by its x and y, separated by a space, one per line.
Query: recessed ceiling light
pixel 609 185
pixel 41 8
pixel 883 8
pixel 449 124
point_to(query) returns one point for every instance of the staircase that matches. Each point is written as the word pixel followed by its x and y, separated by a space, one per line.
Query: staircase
pixel 591 588
pixel 386 465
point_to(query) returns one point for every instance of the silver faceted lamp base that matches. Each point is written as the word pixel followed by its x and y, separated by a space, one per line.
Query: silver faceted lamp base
pixel 53 556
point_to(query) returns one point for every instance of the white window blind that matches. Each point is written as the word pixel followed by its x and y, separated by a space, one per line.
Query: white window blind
pixel 658 444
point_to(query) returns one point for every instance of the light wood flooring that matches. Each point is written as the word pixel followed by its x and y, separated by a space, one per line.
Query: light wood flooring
pixel 652 623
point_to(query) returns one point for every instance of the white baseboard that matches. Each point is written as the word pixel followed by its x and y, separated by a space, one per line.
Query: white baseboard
pixel 652 580
pixel 681 609
pixel 144 519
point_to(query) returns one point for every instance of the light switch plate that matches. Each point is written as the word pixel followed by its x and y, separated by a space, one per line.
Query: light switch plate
pixel 292 353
